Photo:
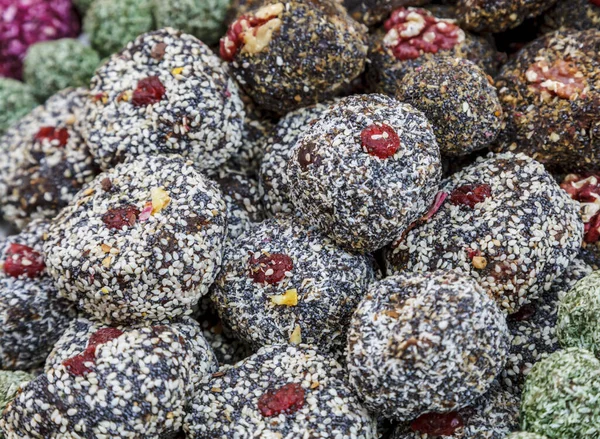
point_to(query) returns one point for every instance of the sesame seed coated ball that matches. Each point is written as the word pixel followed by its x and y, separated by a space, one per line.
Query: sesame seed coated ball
pixel 113 382
pixel 165 93
pixel 425 343
pixel 283 392
pixel 561 395
pixel 458 99
pixel 32 317
pixel 524 435
pixel 142 242
pixel 45 159
pixel 402 44
pixel 10 382
pixel 365 171
pixel 283 282
pixel 491 416
pixel 16 100
pixel 287 55
pixel 574 14
pixel 550 92
pixel 505 222
pixel 578 322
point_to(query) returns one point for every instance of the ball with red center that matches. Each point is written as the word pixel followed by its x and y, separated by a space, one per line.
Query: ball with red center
pixel 380 140
pixel 53 134
pixel 470 194
pixel 269 268
pixel 148 91
pixel 287 399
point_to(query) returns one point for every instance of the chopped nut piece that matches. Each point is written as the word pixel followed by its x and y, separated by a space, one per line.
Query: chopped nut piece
pixel 479 262
pixel 296 337
pixel 289 298
pixel 177 71
pixel 160 200
pixel 106 262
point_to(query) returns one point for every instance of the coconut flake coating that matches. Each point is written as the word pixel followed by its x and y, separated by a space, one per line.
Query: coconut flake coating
pixel 574 14
pixel 533 328
pixel 498 15
pixel 32 317
pixel 162 259
pixel 318 283
pixel 358 199
pixel 16 100
pixel 304 53
pixel 228 405
pixel 491 416
pixel 425 343
pixel 274 185
pixel 371 12
pixel 561 396
pixel 199 115
pixel 458 99
pixel 45 159
pixel 550 92
pixel 135 385
pixel 515 241
pixel 385 69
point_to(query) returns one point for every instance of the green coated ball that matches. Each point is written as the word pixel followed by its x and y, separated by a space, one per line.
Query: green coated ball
pixel 525 435
pixel 205 19
pixel 16 100
pixel 111 24
pixel 51 66
pixel 9 384
pixel 561 398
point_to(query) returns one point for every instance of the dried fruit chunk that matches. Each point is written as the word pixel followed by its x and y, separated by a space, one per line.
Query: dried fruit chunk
pixel 438 424
pixel 120 217
pixel 76 365
pixel 586 190
pixel 148 91
pixel 59 136
pixel 470 194
pixel 286 399
pixel 269 268
pixel 561 79
pixel 23 260
pixel 380 140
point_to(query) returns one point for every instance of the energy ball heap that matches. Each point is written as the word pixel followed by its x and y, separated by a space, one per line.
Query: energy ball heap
pixel 412 36
pixel 166 93
pixel 458 99
pixel 291 54
pixel 281 391
pixel 45 159
pixel 16 100
pixel 366 170
pixel 505 222
pixel 284 282
pixel 574 14
pixel 142 242
pixel 419 344
pixel 550 93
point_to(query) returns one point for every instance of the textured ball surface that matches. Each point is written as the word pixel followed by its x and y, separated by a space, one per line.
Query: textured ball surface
pixel 10 381
pixel 16 100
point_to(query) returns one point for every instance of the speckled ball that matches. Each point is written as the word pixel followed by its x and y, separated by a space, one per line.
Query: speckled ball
pixel 16 100
pixel 458 99
pixel 166 93
pixel 113 382
pixel 504 221
pixel 54 65
pixel 142 242
pixel 324 406
pixel 561 396
pixel 282 281
pixel 365 171
pixel 287 55
pixel 573 14
pixel 425 343
pixel 45 159
pixel 10 382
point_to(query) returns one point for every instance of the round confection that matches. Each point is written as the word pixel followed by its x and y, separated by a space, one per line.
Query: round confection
pixel 204 19
pixel 113 382
pixel 32 317
pixel 498 15
pixel 401 45
pixel 165 93
pixel 142 242
pixel 371 12
pixel 561 394
pixel 281 391
pixel 578 322
pixel 366 170
pixel 10 382
pixel 16 100
pixel 45 159
pixel 574 14
pixel 491 416
pixel 505 222
pixel 458 99
pixel 533 328
pixel 284 282
pixel 287 55
pixel 111 24
pixel 54 65
pixel 551 84
pixel 274 185
pixel 25 22
pixel 524 435
pixel 425 343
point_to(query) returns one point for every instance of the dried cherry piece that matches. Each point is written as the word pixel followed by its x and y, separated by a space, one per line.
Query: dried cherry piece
pixel 286 399
pixel 76 364
pixel 380 140
pixel 562 78
pixel 307 156
pixel 470 194
pixel 269 268
pixel 438 424
pixel 103 335
pixel 23 260
pixel 148 91
pixel 52 133
pixel 120 217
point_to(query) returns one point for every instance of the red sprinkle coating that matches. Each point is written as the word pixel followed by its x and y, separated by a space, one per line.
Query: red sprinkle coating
pixel 438 424
pixel 470 194
pixel 287 399
pixel 52 133
pixel 23 260
pixel 411 32
pixel 120 217
pixel 148 91
pixel 269 268
pixel 76 365
pixel 234 38
pixel 586 190
pixel 380 140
